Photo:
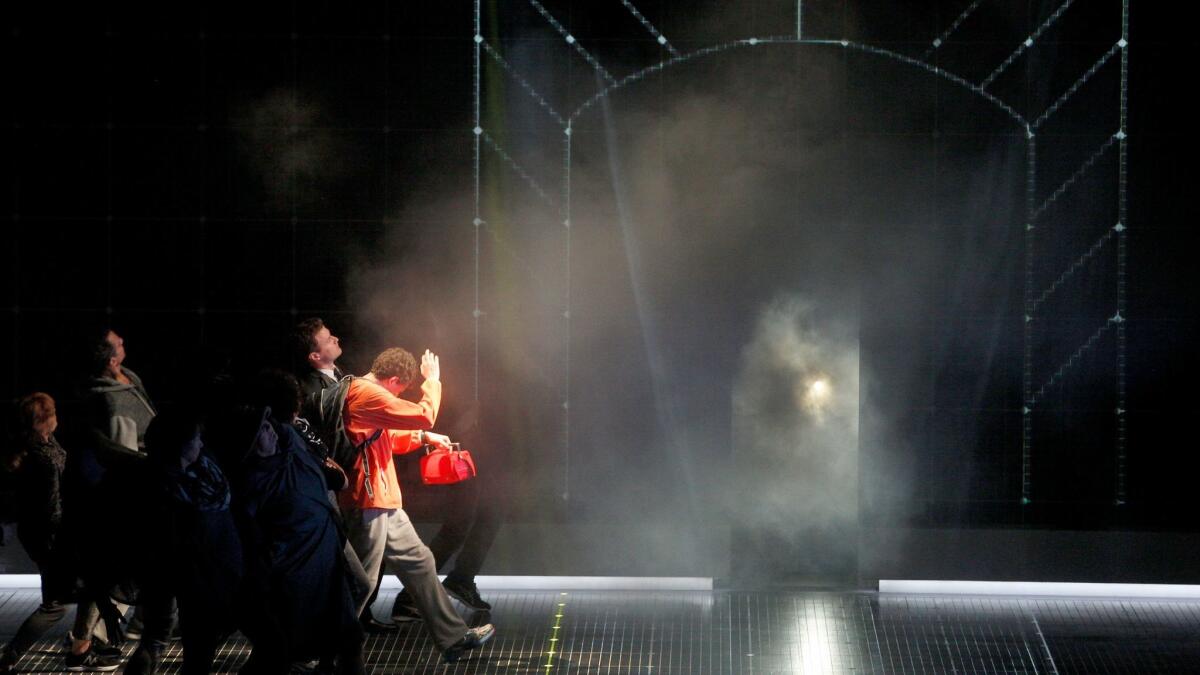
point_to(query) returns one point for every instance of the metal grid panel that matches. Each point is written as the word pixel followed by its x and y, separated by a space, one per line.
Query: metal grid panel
pixel 725 632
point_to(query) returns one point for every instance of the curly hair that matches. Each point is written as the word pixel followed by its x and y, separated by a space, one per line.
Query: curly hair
pixel 395 362
pixel 34 413
pixel 29 424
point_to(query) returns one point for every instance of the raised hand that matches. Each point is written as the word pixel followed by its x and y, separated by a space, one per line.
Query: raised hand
pixel 431 369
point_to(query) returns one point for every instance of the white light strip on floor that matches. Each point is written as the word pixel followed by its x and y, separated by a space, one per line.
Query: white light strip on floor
pixel 504 583
pixel 1042 588
pixel 538 583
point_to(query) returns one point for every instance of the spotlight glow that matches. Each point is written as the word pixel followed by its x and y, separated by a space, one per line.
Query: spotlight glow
pixel 818 390
pixel 816 396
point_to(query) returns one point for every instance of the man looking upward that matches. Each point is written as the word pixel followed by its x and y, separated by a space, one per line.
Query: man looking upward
pixel 319 349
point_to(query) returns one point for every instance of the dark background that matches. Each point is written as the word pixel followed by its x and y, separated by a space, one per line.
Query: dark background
pixel 202 177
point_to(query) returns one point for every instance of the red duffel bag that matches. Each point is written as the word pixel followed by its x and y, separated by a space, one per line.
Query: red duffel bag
pixel 444 467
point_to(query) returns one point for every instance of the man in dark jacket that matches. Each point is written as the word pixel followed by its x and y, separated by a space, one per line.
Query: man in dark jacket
pixel 318 349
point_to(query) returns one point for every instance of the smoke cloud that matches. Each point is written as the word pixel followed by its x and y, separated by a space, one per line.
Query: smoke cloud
pixel 296 160
pixel 747 234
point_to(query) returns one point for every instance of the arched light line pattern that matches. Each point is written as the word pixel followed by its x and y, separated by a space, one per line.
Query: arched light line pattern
pixel 1032 299
pixel 784 39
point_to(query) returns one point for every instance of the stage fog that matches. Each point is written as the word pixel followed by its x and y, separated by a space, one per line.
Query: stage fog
pixel 719 235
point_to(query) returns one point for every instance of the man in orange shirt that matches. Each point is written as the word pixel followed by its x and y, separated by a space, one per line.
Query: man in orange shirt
pixel 378 528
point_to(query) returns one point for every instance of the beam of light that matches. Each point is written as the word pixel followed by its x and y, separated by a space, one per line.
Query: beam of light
pixel 665 407
pixel 1038 588
pixel 824 637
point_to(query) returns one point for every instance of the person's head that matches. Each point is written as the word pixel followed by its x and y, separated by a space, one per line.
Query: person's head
pixel 279 391
pixel 107 351
pixel 395 369
pixel 31 422
pixel 173 438
pixel 37 417
pixel 315 345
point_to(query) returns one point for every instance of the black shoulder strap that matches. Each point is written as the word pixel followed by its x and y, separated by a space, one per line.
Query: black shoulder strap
pixel 333 405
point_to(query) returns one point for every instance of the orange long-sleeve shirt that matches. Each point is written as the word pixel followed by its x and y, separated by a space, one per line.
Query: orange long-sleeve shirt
pixel 370 407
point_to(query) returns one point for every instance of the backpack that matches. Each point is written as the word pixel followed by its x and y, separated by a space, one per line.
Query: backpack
pixel 327 412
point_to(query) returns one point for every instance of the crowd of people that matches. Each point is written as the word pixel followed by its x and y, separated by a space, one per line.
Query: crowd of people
pixel 270 507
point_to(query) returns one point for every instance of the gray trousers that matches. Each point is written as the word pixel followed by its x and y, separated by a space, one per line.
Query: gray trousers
pixel 360 586
pixel 382 536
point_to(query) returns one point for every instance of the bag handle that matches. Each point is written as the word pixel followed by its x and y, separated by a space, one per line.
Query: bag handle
pixel 454 447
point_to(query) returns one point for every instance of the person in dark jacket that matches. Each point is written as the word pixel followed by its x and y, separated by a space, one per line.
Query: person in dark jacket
pixel 194 553
pixel 38 462
pixel 317 352
pixel 294 548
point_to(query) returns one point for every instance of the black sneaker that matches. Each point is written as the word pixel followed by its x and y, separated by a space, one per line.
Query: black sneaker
pixel 102 648
pixel 90 660
pixel 99 645
pixel 466 593
pixel 404 610
pixel 474 639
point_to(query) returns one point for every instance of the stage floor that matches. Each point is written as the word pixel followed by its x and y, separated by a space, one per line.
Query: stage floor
pixel 767 632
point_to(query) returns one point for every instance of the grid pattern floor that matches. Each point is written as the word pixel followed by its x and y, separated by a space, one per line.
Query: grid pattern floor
pixel 765 632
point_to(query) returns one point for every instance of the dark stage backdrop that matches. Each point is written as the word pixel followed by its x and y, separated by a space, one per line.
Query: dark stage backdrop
pixel 200 178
